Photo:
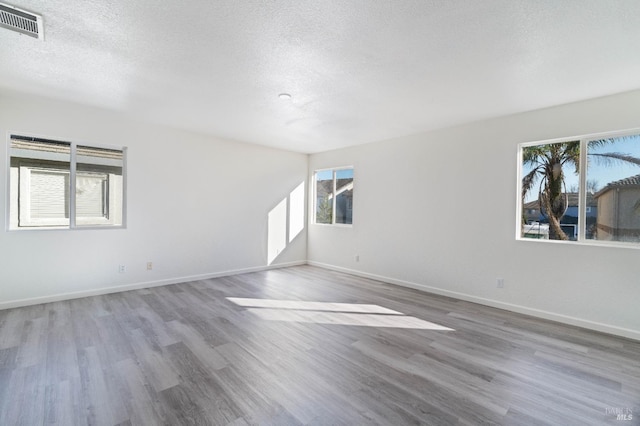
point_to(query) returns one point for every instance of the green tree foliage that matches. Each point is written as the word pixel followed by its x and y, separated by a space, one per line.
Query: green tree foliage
pixel 548 163
pixel 324 211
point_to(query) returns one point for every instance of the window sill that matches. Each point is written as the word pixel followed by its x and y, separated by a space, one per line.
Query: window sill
pixel 591 243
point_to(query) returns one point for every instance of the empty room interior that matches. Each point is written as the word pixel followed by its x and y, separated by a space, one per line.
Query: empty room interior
pixel 300 213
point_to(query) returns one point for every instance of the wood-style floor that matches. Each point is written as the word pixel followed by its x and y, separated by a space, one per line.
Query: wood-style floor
pixel 253 349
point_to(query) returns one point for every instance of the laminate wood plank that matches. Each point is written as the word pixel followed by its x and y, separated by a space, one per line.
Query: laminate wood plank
pixel 559 408
pixel 246 391
pixel 8 358
pixel 203 325
pixel 11 327
pixel 85 330
pixel 242 422
pixel 102 400
pixel 182 408
pixel 420 388
pixel 388 404
pixel 202 385
pixel 114 345
pixel 285 391
pixel 7 393
pixel 98 306
pixel 196 343
pixel 578 370
pixel 186 354
pixel 273 418
pixel 28 397
pixel 33 347
pixel 61 356
pixel 166 311
pixel 59 314
pixel 154 362
pixel 63 402
pixel 303 388
pixel 530 379
pixel 154 327
pixel 125 308
pixel 368 392
pixel 437 373
pixel 140 398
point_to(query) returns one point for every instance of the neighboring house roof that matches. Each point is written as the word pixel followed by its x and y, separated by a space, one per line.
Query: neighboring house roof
pixel 630 181
pixel 342 185
pixel 571 196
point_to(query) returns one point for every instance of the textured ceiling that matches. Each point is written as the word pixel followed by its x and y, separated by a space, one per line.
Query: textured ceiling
pixel 358 71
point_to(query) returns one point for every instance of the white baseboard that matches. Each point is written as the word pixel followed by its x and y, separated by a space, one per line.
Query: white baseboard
pixel 565 319
pixel 579 322
pixel 135 286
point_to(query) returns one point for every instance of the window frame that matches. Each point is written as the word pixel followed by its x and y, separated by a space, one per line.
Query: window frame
pixel 25 173
pixel 73 222
pixel 582 192
pixel 334 171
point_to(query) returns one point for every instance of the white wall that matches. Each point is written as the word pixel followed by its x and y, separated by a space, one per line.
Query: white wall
pixel 437 211
pixel 434 211
pixel 197 207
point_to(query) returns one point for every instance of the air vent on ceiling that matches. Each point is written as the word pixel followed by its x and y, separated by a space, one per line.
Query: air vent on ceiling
pixel 21 21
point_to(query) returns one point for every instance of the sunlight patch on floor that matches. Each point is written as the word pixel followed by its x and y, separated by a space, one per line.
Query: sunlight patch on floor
pixel 312 306
pixel 362 315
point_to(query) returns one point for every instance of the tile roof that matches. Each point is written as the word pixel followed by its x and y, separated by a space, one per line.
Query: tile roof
pixel 628 181
pixel 632 180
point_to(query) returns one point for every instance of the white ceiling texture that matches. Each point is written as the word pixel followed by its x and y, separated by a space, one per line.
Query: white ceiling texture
pixel 357 70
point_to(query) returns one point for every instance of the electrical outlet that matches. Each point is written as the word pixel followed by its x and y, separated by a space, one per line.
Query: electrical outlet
pixel 122 269
pixel 357 258
pixel 149 266
pixel 500 282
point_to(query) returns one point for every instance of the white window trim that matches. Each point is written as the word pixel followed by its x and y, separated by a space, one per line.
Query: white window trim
pixel 582 197
pixel 72 225
pixel 334 171
pixel 25 199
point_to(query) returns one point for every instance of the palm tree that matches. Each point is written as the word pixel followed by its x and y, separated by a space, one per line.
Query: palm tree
pixel 547 164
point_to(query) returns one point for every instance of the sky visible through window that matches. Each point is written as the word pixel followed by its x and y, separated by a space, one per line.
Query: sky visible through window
pixel 324 175
pixel 344 174
pixel 599 171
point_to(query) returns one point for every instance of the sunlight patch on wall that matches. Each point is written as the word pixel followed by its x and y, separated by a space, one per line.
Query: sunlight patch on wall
pixel 277 231
pixel 285 222
pixel 296 212
pixel 359 315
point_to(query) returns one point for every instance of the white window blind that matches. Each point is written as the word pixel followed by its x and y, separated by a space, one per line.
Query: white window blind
pixel 48 194
pixel 91 195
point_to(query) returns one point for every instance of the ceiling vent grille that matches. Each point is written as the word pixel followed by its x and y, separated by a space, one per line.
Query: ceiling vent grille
pixel 21 21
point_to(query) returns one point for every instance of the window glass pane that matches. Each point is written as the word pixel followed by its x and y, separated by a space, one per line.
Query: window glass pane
pixel 344 196
pixel 91 195
pixel 39 183
pixel 99 186
pixel 613 188
pixel 550 191
pixel 49 194
pixel 324 196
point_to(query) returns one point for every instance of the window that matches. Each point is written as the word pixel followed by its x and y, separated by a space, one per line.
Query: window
pixel 334 196
pixel 585 189
pixel 56 184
